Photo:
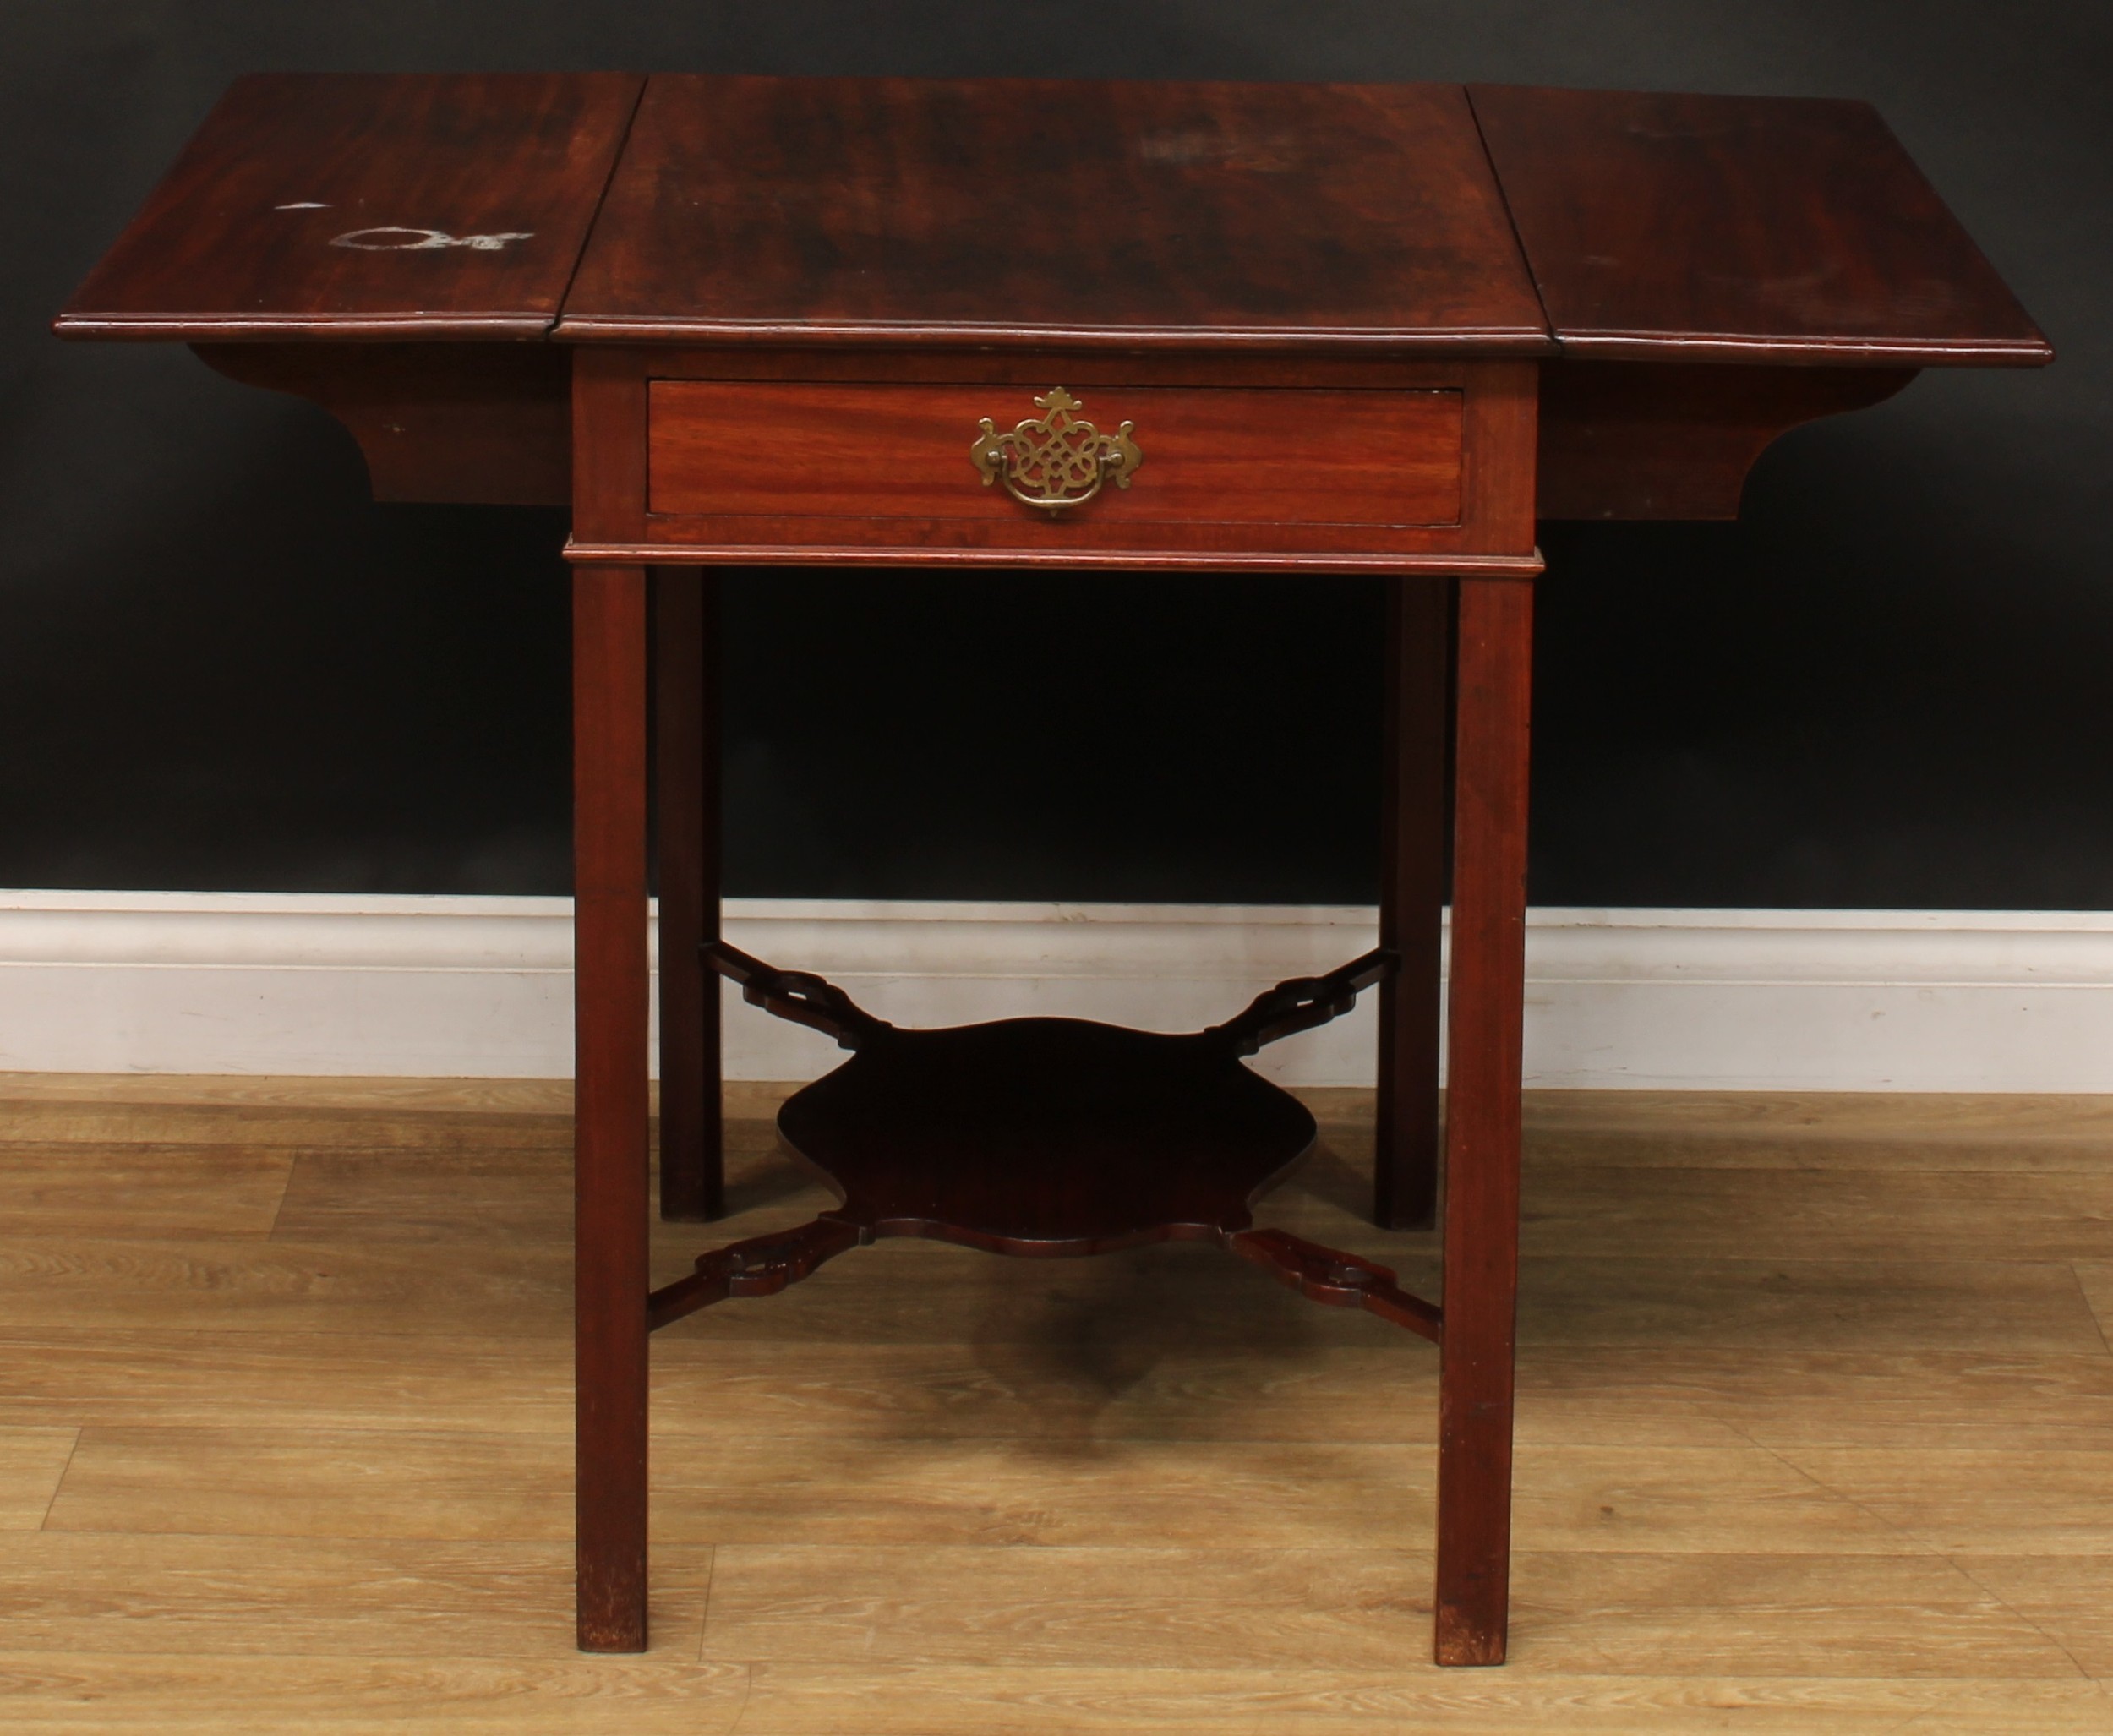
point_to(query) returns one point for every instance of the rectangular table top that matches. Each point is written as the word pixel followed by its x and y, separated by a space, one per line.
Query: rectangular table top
pixel 1741 228
pixel 1003 212
pixel 360 205
pixel 1383 219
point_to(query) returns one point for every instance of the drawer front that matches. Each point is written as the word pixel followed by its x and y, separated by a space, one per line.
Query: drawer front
pixel 1204 456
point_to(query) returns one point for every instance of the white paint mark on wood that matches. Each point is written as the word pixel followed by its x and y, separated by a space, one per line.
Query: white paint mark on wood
pixel 303 204
pixel 397 238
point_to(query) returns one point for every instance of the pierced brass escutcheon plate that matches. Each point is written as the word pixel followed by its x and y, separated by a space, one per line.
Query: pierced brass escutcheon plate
pixel 1055 460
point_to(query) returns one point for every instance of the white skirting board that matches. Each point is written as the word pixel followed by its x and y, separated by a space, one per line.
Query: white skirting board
pixel 469 987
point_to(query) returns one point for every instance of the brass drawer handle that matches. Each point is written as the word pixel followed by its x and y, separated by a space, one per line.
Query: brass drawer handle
pixel 1055 460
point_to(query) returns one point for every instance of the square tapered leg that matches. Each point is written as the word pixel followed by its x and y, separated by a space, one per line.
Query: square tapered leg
pixel 1412 900
pixel 1485 1025
pixel 611 985
pixel 686 786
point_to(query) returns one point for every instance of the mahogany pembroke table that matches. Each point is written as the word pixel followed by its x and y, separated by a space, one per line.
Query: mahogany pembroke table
pixel 1294 329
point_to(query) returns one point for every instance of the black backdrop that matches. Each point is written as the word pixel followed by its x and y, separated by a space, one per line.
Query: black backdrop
pixel 221 666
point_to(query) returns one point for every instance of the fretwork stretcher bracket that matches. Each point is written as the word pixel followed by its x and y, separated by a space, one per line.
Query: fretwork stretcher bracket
pixel 1046 1137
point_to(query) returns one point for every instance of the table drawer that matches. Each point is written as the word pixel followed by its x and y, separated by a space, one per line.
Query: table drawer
pixel 1138 457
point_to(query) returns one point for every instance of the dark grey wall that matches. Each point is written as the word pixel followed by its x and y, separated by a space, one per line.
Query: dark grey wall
pixel 219 666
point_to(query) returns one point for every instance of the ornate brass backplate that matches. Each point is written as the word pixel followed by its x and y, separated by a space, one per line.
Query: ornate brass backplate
pixel 1055 460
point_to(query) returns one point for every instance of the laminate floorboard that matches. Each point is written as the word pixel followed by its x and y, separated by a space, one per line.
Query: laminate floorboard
pixel 1594 1613
pixel 192 1693
pixel 32 1462
pixel 1816 1434
pixel 114 1187
pixel 110 1285
pixel 282 1599
pixel 2065 1597
pixel 800 1700
pixel 2095 1279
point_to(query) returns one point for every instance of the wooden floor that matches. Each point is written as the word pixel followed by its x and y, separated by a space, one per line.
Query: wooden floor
pixel 1815 1425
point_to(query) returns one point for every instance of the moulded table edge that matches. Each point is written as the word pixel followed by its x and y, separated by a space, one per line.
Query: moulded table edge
pixel 1437 564
pixel 1498 341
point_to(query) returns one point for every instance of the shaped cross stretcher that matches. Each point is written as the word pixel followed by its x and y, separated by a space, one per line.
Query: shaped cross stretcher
pixel 1046 1137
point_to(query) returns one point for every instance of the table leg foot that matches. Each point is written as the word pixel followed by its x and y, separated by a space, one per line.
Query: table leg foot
pixel 612 1606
